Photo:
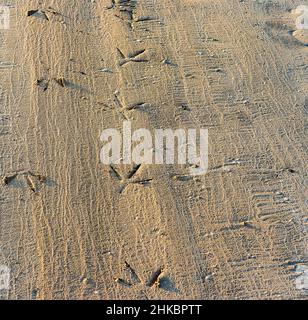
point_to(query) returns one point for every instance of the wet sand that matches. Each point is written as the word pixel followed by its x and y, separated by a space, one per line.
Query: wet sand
pixel 70 228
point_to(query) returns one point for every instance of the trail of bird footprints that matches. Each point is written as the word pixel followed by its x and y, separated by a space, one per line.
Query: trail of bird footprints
pixel 125 11
pixel 32 179
pixel 133 278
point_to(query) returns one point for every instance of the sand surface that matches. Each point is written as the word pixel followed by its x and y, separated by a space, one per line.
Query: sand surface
pixel 72 229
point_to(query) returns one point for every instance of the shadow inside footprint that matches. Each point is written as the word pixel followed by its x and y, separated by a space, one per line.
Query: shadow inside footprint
pixel 166 284
pixel 17 183
pixel 37 14
pixel 69 84
pixel 50 182
pixel 73 85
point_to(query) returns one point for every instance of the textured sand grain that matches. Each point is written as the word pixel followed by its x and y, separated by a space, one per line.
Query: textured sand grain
pixel 240 231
